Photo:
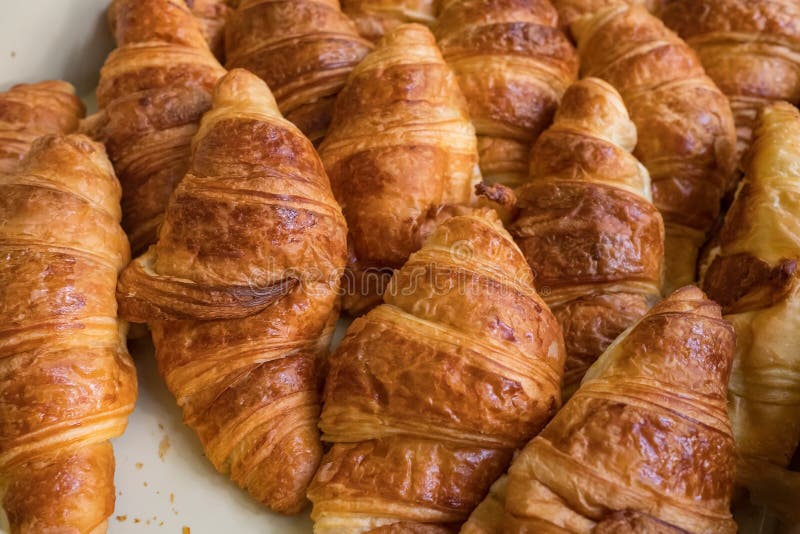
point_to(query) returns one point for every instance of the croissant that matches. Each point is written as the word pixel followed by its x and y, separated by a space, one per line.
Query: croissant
pixel 513 64
pixel 67 383
pixel 212 15
pixel 375 18
pixel 645 444
pixel 587 225
pixel 152 93
pixel 753 274
pixel 487 517
pixel 303 49
pixel 571 10
pixel 748 47
pixel 400 144
pixel 429 394
pixel 687 138
pixel 29 111
pixel 240 292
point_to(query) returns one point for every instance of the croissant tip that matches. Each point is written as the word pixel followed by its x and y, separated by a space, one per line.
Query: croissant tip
pixel 408 33
pixel 242 87
pixel 688 292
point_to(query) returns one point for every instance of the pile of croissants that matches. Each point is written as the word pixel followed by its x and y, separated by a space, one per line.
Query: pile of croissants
pixel 568 232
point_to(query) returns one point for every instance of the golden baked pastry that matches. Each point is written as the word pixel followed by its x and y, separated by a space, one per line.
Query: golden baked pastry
pixel 375 18
pixel 748 47
pixel 587 225
pixel 487 518
pixel 571 10
pixel 753 274
pixel 152 93
pixel 645 444
pixel 303 49
pixel 212 15
pixel 240 292
pixel 430 393
pixel 513 64
pixel 31 110
pixel 400 144
pixel 687 138
pixel 67 383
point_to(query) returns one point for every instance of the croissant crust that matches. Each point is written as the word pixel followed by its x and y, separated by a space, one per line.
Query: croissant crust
pixel 400 144
pixel 29 111
pixel 513 64
pixel 303 49
pixel 687 138
pixel 240 292
pixel 753 273
pixel 67 383
pixel 645 444
pixel 429 394
pixel 748 47
pixel 152 92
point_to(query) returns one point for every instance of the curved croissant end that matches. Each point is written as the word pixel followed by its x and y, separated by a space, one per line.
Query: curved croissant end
pixel 303 49
pixel 430 393
pixel 67 383
pixel 375 18
pixel 645 444
pixel 254 215
pixel 513 64
pixel 748 47
pixel 587 225
pixel 754 274
pixel 29 111
pixel 400 144
pixel 145 296
pixel 153 90
pixel 687 137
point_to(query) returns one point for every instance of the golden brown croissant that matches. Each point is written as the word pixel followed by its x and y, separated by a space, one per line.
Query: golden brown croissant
pixel 400 144
pixel 29 111
pixel 645 444
pixel 430 393
pixel 153 90
pixel 375 18
pixel 587 225
pixel 571 10
pixel 212 15
pixel 303 49
pixel 748 47
pixel 513 64
pixel 754 275
pixel 687 138
pixel 67 383
pixel 240 292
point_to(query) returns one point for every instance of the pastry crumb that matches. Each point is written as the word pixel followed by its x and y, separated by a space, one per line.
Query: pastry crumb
pixel 163 447
pixel 186 530
pixel 139 465
pixel 122 518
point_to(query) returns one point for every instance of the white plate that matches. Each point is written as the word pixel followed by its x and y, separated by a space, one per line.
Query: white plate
pixel 164 482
